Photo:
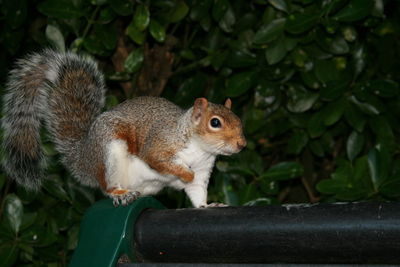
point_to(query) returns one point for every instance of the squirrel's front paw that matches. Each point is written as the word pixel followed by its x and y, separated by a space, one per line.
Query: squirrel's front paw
pixel 187 175
pixel 123 197
pixel 214 205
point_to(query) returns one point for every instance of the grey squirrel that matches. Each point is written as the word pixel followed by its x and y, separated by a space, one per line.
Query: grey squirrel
pixel 136 148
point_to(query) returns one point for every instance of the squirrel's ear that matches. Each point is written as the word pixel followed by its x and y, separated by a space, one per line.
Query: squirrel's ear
pixel 228 103
pixel 199 107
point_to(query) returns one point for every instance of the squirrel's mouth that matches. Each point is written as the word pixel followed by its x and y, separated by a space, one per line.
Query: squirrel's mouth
pixel 225 148
pixel 229 150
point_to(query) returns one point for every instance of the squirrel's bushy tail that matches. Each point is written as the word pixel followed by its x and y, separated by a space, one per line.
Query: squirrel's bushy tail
pixel 63 90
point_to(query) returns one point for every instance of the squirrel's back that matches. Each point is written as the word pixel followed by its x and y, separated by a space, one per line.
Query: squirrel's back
pixel 148 108
pixel 63 90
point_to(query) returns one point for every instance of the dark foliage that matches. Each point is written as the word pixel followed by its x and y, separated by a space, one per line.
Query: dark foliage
pixel 315 82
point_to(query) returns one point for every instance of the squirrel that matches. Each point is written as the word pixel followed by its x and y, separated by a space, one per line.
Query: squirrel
pixel 134 149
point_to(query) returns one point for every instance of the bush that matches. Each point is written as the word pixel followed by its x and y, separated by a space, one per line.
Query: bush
pixel 315 82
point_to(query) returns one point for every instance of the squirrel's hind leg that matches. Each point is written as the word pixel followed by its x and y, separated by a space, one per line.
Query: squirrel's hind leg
pixel 119 183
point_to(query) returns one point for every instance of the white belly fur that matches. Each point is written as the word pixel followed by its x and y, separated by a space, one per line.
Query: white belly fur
pixel 127 171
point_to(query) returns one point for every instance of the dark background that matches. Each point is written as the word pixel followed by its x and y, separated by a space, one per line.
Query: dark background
pixel 315 83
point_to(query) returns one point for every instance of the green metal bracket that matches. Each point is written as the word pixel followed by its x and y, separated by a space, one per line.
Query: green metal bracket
pixel 106 232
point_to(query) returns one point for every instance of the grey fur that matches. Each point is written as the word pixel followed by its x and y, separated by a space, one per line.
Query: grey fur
pixel 34 95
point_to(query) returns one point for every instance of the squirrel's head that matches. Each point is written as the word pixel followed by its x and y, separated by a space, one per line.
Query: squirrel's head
pixel 218 127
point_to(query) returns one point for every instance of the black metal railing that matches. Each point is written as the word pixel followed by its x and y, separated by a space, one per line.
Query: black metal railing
pixel 319 233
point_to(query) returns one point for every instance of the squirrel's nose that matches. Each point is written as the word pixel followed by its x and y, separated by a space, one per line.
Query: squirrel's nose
pixel 241 144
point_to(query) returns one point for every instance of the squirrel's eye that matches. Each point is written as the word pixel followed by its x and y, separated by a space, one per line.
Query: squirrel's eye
pixel 215 123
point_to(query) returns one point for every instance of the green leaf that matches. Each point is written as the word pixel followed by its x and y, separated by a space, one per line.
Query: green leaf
pixel 248 193
pixel 122 7
pixel 297 142
pixel 38 235
pixel 28 219
pixel 299 23
pixel 384 88
pixel 157 31
pixel 246 22
pixel 327 71
pixel 391 187
pixel 275 52
pixel 283 171
pixel 352 194
pixel 217 59
pixel 26 252
pixel 76 44
pixel 13 212
pixel 205 23
pixel 240 59
pixel 228 20
pixel 378 164
pixel 187 54
pixel 200 9
pixel 331 186
pixel 359 60
pixel 266 93
pixel 343 188
pixel 343 184
pixel 254 120
pixel 355 144
pixel 316 147
pixel 365 107
pixel 73 237
pixel 53 185
pixel 141 18
pixel 219 9
pixel 190 88
pixel 355 117
pixel 383 131
pixel 333 111
pixel 300 100
pixel 280 5
pixel 8 254
pixel 134 61
pixel 269 187
pixel 300 59
pixel 107 34
pixel 361 175
pixel 136 35
pixel 252 160
pixel 239 169
pixel 269 31
pixel 316 126
pixel 238 84
pixel 355 10
pixel 333 89
pixel 178 12
pixel 25 195
pixel 290 42
pixel 62 9
pixel 231 196
pixel 336 45
pixel 94 45
pixel 106 15
pixel 213 39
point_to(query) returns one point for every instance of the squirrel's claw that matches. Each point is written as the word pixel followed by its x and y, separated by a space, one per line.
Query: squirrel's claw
pixel 123 197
